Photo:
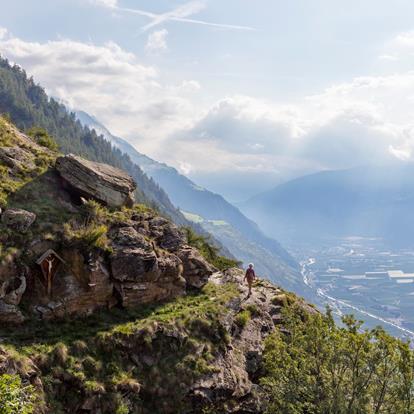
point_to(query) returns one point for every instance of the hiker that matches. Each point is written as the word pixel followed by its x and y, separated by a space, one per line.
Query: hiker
pixel 250 276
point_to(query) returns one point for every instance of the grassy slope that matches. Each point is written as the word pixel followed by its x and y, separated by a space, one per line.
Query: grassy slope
pixel 92 356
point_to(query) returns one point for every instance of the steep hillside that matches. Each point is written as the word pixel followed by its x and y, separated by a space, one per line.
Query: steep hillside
pixel 366 201
pixel 28 106
pixel 72 240
pixel 106 308
pixel 242 237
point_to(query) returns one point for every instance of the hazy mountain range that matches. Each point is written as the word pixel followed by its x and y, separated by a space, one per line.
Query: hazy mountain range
pixel 364 201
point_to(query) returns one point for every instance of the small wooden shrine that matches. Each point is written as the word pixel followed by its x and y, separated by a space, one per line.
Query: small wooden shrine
pixel 49 263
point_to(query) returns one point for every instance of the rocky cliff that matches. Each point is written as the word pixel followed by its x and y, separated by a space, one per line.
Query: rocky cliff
pixel 72 242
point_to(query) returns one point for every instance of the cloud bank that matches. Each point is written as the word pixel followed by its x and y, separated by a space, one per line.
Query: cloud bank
pixel 107 81
pixel 247 141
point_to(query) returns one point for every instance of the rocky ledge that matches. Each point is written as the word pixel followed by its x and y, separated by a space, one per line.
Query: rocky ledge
pixel 101 182
pixel 99 253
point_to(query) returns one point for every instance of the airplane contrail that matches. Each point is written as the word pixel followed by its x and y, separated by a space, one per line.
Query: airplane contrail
pixel 179 14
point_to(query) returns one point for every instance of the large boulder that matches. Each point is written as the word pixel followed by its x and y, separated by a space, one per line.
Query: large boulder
pixel 142 272
pixel 18 219
pixel 92 180
pixel 132 264
pixel 196 269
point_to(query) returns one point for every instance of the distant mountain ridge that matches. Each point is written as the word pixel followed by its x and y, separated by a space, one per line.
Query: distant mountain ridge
pixel 366 201
pixel 240 235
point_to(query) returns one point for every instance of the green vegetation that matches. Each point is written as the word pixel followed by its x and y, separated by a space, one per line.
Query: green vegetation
pixel 30 109
pixel 89 236
pixel 22 173
pixel 15 398
pixel 179 340
pixel 89 228
pixel 318 367
pixel 242 318
pixel 41 137
pixel 209 251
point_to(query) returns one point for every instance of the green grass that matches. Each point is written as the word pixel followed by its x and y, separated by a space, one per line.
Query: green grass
pixel 243 318
pixel 15 397
pixel 95 351
pixel 41 137
pixel 11 183
pixel 6 133
pixel 209 251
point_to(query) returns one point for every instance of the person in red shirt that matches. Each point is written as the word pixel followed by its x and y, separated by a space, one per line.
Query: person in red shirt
pixel 250 277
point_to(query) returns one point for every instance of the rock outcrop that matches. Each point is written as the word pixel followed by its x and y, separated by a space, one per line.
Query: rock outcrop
pixel 17 158
pixel 18 219
pixel 146 259
pixel 101 182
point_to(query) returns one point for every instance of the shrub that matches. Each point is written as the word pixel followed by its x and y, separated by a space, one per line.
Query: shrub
pixel 42 138
pixel 319 367
pixel 15 398
pixel 209 251
pixel 242 318
pixel 90 235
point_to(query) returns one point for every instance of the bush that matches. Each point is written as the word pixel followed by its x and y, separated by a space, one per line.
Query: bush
pixel 209 251
pixel 87 235
pixel 42 138
pixel 242 318
pixel 319 367
pixel 15 398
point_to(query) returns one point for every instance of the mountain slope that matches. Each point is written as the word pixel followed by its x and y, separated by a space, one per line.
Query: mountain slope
pixel 28 106
pixel 145 343
pixel 365 201
pixel 240 235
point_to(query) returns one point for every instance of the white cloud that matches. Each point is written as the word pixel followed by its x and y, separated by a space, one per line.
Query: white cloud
pixel 405 39
pixel 363 121
pixel 3 32
pixel 108 82
pixel 190 86
pixel 105 3
pixel 157 41
pixel 368 119
pixel 400 48
pixel 391 58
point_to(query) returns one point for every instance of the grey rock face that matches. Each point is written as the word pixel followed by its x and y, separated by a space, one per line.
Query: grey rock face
pixel 171 239
pixel 18 219
pixel 128 236
pixel 11 291
pixel 135 265
pixel 101 182
pixel 196 269
pixel 17 158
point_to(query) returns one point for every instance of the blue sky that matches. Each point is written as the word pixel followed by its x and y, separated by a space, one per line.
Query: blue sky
pixel 238 94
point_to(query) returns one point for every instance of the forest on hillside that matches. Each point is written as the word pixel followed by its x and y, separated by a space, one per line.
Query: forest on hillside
pixel 27 105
